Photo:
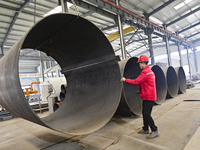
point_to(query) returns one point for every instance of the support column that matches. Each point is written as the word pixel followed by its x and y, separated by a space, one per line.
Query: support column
pixel 188 59
pixel 195 59
pixel 2 52
pixel 179 51
pixel 168 48
pixel 148 32
pixel 64 6
pixel 41 66
pixel 121 34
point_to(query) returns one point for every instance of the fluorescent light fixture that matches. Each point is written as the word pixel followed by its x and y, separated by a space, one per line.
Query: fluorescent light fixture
pixel 179 6
pixel 57 9
pixel 155 20
pixel 187 1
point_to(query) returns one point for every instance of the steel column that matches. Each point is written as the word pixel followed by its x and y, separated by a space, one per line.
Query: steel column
pixel 189 63
pixel 195 59
pixel 149 32
pixel 64 6
pixel 179 51
pixel 121 34
pixel 168 48
pixel 41 66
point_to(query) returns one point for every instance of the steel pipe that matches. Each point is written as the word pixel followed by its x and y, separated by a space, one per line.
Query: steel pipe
pixel 130 99
pixel 63 88
pixel 88 62
pixel 172 81
pixel 181 79
pixel 161 85
pixel 62 96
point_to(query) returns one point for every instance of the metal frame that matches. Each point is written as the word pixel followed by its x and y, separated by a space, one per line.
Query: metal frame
pixel 159 8
pixel 192 26
pixel 113 10
pixel 13 22
pixel 184 16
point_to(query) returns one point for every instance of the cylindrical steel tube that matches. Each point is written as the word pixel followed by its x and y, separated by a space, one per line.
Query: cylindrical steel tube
pixel 172 81
pixel 181 79
pixel 62 96
pixel 130 69
pixel 161 85
pixel 93 91
pixel 63 88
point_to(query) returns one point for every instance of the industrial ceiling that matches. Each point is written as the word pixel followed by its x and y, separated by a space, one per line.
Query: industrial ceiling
pixel 181 18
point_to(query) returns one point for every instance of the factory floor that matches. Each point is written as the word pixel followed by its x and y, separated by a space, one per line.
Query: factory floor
pixel 178 122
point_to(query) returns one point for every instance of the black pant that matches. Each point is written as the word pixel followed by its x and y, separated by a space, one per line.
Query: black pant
pixel 146 112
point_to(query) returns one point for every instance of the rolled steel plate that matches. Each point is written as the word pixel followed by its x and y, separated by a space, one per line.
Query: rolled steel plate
pixel 88 62
pixel 161 85
pixel 123 109
pixel 63 88
pixel 172 81
pixel 131 70
pixel 181 79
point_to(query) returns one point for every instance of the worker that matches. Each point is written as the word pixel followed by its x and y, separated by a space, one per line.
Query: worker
pixel 147 90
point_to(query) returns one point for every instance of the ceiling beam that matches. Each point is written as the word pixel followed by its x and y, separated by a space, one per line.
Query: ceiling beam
pixel 109 7
pixel 192 26
pixel 109 27
pixel 24 11
pixel 160 7
pixel 13 21
pixel 184 16
pixel 193 35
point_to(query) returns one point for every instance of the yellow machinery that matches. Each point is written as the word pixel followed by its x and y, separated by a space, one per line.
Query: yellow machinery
pixel 116 34
pixel 30 90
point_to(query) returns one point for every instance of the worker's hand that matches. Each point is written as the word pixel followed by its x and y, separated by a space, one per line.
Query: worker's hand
pixel 123 79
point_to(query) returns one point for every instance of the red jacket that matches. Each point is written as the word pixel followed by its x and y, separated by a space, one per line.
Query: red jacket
pixel 147 84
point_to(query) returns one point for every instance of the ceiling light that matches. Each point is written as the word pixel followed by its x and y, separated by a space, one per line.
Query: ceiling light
pixel 187 1
pixel 179 6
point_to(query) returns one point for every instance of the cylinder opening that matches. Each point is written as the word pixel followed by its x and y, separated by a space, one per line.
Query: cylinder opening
pixel 182 80
pixel 161 85
pixel 88 62
pixel 172 82
pixel 131 92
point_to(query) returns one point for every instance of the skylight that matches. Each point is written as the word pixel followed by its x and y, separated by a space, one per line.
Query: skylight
pixel 182 4
pixel 187 1
pixel 179 5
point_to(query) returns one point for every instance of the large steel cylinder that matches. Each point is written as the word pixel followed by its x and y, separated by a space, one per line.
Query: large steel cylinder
pixel 63 88
pixel 172 81
pixel 161 85
pixel 88 62
pixel 181 79
pixel 130 100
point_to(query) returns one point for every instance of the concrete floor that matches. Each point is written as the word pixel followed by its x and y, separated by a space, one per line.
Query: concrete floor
pixel 178 122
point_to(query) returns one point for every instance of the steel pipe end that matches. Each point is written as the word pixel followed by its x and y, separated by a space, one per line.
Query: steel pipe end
pixel 181 79
pixel 132 70
pixel 88 62
pixel 161 85
pixel 172 82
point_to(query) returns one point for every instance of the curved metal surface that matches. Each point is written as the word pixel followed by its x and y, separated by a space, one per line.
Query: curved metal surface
pixel 63 88
pixel 172 81
pixel 62 96
pixel 130 69
pixel 181 79
pixel 123 109
pixel 88 62
pixel 161 85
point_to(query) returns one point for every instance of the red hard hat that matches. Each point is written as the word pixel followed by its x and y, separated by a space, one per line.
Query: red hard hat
pixel 143 58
